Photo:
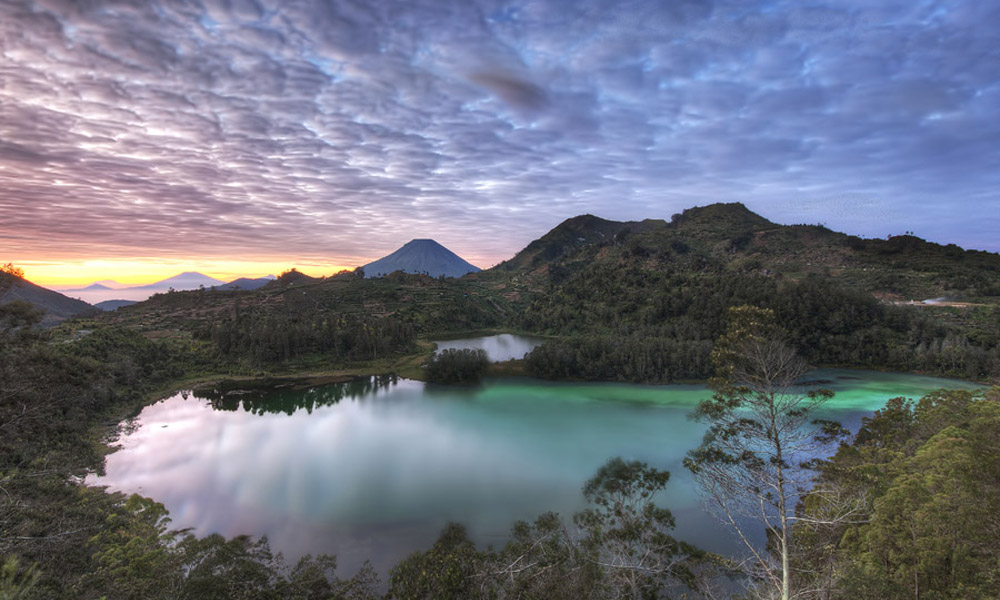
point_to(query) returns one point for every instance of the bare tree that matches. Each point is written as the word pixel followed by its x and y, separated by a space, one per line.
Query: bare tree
pixel 752 463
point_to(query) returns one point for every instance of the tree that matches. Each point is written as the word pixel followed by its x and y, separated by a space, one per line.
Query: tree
pixel 453 365
pixel 10 269
pixel 626 533
pixel 15 582
pixel 7 282
pixel 445 572
pixel 136 554
pixel 931 473
pixel 620 548
pixel 760 432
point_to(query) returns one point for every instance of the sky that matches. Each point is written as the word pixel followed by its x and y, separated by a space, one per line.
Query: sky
pixel 244 137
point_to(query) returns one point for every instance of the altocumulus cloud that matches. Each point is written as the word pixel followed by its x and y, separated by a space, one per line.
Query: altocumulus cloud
pixel 336 130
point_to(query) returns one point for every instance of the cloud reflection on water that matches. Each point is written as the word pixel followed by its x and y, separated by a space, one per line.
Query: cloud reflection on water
pixel 375 473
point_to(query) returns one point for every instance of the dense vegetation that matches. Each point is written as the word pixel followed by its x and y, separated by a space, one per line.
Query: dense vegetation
pixel 927 471
pixel 266 339
pixel 630 324
pixel 60 539
pixel 640 302
pixel 643 301
pixel 620 547
pixel 457 366
pixel 927 475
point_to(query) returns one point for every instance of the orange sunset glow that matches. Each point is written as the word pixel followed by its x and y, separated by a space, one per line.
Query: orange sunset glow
pixel 78 273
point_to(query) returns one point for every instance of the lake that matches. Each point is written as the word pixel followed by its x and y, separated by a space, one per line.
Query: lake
pixel 499 348
pixel 373 468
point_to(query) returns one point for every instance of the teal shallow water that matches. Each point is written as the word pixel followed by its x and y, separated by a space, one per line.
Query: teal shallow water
pixel 375 468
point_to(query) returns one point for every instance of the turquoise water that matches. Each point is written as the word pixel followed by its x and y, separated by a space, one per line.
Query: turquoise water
pixel 374 468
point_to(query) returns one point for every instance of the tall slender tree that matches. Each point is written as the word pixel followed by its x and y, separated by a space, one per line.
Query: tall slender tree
pixel 761 431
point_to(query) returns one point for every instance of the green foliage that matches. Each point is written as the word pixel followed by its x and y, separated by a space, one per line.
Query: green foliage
pixel 16 583
pixel 622 549
pixel 445 572
pixel 135 554
pixel 264 339
pixel 543 561
pixel 613 358
pixel 17 315
pixel 752 462
pixel 929 475
pixel 626 323
pixel 137 557
pixel 627 533
pixel 458 366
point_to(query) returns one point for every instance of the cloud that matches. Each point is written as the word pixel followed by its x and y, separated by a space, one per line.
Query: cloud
pixel 336 131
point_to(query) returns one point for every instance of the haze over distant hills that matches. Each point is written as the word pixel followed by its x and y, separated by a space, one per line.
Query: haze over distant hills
pixel 587 255
pixel 98 293
pixel 114 304
pixel 421 256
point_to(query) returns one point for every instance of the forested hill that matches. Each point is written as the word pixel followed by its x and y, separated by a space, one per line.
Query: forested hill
pixel 642 301
pixel 637 301
pixel 729 238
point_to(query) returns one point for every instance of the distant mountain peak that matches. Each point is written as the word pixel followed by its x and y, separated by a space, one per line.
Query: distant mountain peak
pixel 421 255
pixel 190 277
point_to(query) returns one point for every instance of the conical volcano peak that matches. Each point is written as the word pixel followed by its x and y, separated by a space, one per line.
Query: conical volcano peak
pixel 421 255
pixel 416 242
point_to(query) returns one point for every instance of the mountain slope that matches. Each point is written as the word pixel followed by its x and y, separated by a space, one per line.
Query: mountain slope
pixel 729 238
pixel 566 238
pixel 246 283
pixel 421 256
pixel 642 301
pixel 57 307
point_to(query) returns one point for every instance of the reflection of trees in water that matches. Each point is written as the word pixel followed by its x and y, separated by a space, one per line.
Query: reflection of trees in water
pixel 269 398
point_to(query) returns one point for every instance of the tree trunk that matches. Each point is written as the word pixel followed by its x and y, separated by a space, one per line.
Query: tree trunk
pixel 782 508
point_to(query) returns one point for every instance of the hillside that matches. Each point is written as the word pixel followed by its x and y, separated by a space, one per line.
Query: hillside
pixel 57 307
pixel 425 257
pixel 729 238
pixel 638 301
pixel 643 301
pixel 429 304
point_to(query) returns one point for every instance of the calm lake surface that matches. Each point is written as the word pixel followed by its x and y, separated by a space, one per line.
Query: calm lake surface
pixel 373 469
pixel 498 348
